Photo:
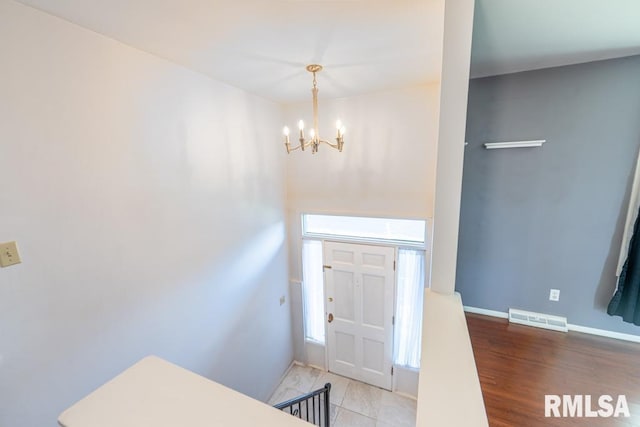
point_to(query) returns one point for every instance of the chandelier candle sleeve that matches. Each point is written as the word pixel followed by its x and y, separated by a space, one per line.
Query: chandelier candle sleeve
pixel 314 133
pixel 285 131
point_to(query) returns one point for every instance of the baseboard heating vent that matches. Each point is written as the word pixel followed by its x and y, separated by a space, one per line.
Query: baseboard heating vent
pixel 539 320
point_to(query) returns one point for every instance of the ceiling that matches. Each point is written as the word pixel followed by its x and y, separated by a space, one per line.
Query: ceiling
pixel 262 46
pixel 519 35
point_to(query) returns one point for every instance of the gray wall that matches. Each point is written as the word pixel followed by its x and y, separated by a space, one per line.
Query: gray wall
pixel 551 217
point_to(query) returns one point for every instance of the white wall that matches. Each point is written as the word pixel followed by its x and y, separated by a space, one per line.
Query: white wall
pixel 449 389
pixel 386 169
pixel 456 58
pixel 149 215
pixel 388 162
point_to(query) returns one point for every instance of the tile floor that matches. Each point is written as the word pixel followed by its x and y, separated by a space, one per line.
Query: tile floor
pixel 353 404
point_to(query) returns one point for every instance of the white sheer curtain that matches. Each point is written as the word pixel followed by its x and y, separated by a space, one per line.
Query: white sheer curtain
pixel 410 295
pixel 313 290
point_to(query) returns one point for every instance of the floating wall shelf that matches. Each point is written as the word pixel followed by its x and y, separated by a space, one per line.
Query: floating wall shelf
pixel 514 144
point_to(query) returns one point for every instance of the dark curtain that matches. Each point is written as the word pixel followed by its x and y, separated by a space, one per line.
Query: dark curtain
pixel 626 300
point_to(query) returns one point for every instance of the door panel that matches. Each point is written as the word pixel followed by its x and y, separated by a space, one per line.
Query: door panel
pixel 344 306
pixel 345 349
pixel 372 350
pixel 359 291
pixel 372 300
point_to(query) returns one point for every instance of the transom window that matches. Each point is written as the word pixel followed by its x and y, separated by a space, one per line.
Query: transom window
pixel 382 229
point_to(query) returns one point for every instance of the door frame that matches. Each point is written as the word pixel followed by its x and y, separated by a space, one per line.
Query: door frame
pixel 297 235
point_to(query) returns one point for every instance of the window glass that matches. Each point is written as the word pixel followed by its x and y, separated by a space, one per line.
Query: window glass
pixel 404 230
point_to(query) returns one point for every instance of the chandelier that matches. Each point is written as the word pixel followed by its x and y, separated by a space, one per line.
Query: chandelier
pixel 314 135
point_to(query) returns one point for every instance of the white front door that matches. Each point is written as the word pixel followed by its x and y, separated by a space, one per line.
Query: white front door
pixel 359 301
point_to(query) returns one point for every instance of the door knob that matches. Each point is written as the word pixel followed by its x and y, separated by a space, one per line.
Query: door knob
pixel 330 318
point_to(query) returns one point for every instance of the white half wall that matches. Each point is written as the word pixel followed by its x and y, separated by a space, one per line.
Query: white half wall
pixel 449 391
pixel 149 214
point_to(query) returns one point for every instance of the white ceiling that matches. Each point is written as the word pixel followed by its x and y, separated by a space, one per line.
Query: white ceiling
pixel 262 46
pixel 518 35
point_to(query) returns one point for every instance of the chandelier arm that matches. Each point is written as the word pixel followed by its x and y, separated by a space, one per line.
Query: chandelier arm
pixel 294 147
pixel 336 146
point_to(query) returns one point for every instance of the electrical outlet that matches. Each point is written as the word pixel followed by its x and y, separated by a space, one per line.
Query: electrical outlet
pixel 554 295
pixel 282 299
pixel 9 254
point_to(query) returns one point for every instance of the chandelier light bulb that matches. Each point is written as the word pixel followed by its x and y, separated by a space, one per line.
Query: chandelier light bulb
pixel 300 125
pixel 338 124
pixel 285 131
pixel 312 133
pixel 342 129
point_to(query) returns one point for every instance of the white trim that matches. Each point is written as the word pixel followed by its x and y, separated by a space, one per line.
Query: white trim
pixel 320 368
pixel 604 333
pixel 486 312
pixel 407 395
pixel 364 240
pixel 286 372
pixel 575 328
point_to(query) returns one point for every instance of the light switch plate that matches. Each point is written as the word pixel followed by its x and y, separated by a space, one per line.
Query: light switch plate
pixel 9 254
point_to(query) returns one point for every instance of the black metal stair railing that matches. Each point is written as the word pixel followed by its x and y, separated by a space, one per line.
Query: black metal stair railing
pixel 313 407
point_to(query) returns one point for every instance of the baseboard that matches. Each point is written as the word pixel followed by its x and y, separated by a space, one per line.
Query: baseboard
pixel 286 372
pixel 486 312
pixel 604 333
pixel 407 395
pixel 575 328
pixel 320 368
